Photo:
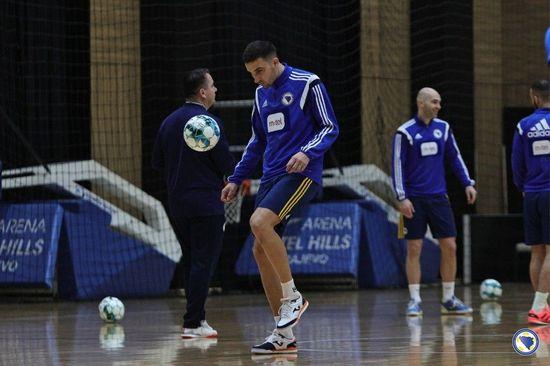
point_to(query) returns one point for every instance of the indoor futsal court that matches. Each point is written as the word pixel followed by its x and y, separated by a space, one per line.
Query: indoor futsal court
pixel 274 182
pixel 340 328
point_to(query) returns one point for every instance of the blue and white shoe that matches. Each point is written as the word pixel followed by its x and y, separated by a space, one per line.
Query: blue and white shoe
pixel 291 311
pixel 413 308
pixel 455 306
pixel 276 343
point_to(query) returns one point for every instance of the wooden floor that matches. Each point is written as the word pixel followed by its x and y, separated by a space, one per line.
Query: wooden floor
pixel 339 328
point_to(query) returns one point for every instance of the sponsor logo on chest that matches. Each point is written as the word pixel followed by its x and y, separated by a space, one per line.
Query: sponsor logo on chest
pixel 275 122
pixel 428 148
pixel 541 147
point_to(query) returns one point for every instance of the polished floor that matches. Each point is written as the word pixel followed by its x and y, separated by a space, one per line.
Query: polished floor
pixel 339 328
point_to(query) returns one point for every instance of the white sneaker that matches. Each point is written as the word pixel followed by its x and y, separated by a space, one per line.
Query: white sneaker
pixel 204 331
pixel 276 343
pixel 291 310
pixel 207 326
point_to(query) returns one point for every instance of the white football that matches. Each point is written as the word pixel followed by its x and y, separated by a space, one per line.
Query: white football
pixel 111 309
pixel 201 133
pixel 490 289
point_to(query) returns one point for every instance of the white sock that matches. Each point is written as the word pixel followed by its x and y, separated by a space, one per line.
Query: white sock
pixel 289 290
pixel 286 332
pixel 448 290
pixel 540 300
pixel 414 290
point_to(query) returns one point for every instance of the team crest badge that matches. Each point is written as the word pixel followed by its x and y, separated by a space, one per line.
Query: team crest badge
pixel 438 134
pixel 525 342
pixel 287 98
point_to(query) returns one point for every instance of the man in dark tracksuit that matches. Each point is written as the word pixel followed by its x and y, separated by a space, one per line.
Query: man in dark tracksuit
pixel 194 181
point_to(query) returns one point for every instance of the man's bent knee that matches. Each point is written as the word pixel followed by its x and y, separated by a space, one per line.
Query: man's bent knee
pixel 263 219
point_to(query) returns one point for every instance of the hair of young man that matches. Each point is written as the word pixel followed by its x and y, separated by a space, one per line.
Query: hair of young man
pixel 193 81
pixel 259 49
pixel 541 88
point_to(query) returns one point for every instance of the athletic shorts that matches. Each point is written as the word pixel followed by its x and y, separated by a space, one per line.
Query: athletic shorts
pixel 434 211
pixel 536 217
pixel 286 195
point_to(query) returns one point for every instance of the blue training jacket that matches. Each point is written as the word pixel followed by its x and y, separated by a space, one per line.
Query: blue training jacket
pixel 420 152
pixel 531 152
pixel 194 180
pixel 294 114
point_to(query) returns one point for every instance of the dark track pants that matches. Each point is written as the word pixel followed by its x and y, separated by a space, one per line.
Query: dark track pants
pixel 201 240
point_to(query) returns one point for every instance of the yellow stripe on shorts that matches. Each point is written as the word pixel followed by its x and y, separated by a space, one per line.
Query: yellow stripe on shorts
pixel 296 197
pixel 401 227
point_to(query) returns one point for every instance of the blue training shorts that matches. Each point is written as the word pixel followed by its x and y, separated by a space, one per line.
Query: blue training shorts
pixel 536 217
pixel 434 211
pixel 285 195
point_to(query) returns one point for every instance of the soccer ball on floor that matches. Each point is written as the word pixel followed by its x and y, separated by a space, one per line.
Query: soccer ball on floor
pixel 490 289
pixel 111 309
pixel 201 133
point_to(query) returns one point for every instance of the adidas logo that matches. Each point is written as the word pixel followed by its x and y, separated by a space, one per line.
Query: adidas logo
pixel 265 104
pixel 418 136
pixel 541 129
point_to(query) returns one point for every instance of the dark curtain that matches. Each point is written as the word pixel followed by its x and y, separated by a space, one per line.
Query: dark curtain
pixel 44 80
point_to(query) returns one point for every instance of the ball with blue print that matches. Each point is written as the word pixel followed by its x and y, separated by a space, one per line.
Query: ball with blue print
pixel 111 309
pixel 201 133
pixel 490 289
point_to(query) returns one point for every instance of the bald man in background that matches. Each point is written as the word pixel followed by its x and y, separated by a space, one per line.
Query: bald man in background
pixel 421 147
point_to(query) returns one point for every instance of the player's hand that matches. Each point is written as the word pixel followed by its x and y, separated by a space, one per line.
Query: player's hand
pixel 406 208
pixel 297 163
pixel 229 192
pixel 471 195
